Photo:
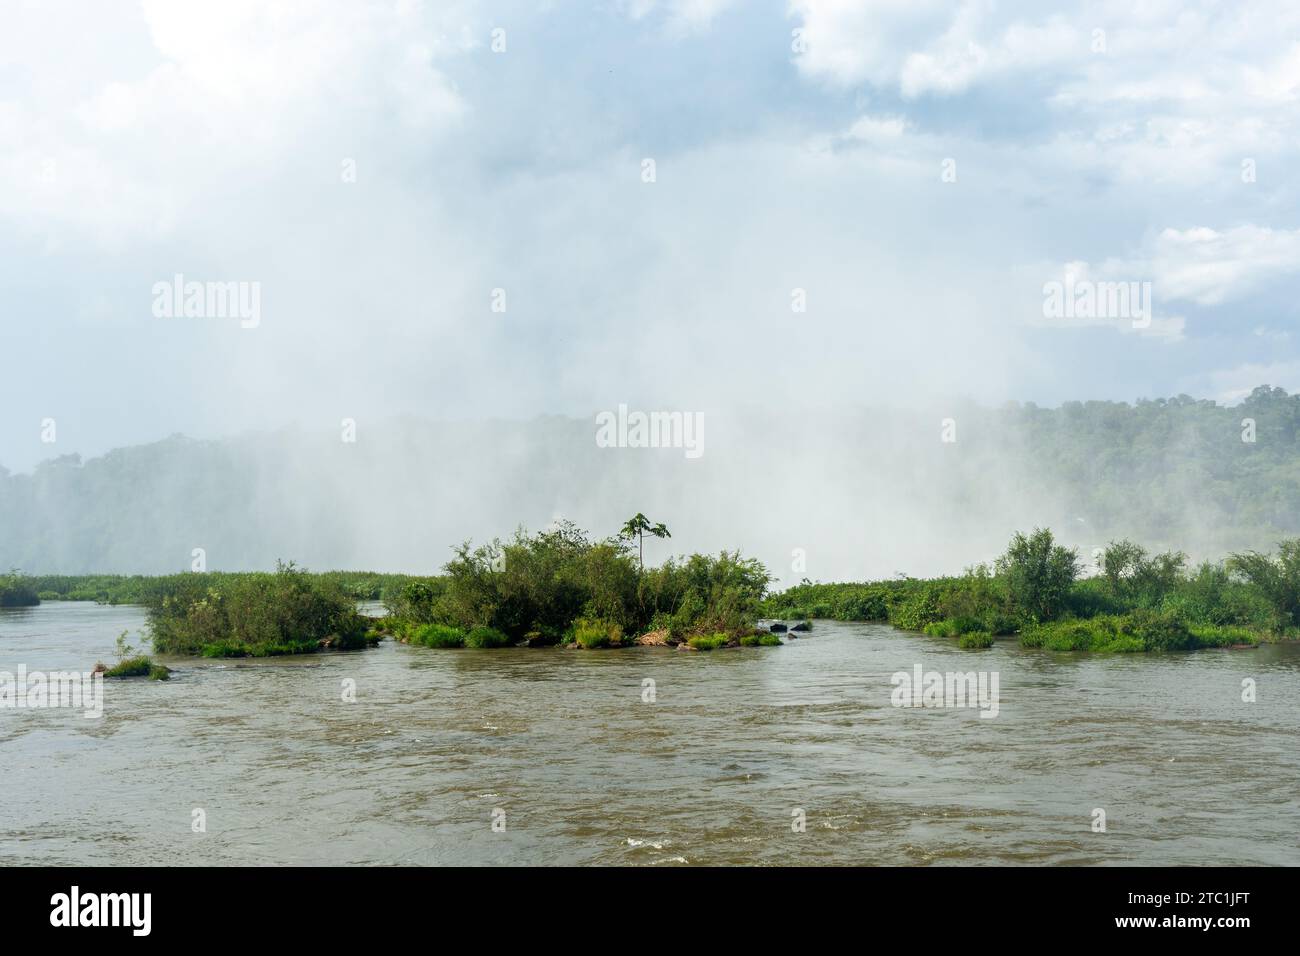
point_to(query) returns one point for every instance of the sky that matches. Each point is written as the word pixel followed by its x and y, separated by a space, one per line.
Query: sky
pixel 493 210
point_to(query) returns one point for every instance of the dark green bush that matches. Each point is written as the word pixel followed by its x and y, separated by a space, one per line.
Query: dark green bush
pixel 17 590
pixel 437 635
pixel 486 637
pixel 543 583
pixel 288 612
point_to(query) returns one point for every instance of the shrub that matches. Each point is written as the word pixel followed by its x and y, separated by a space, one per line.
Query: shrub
pixel 416 600
pixel 760 640
pixel 131 664
pixel 955 626
pixel 975 639
pixel 1211 596
pixel 917 609
pixel 17 591
pixel 1159 631
pixel 1103 633
pixel 711 642
pixel 1209 635
pixel 1142 630
pixel 1092 596
pixel 437 635
pixel 234 648
pixel 1276 578
pixel 486 637
pixel 288 612
pixel 1137 579
pixel 595 633
pixel 131 667
pixel 1038 574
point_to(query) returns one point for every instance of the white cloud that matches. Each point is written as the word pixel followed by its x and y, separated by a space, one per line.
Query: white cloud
pixel 232 90
pixel 1152 51
pixel 876 129
pixel 1210 267
pixel 1231 385
pixel 1199 265
pixel 681 16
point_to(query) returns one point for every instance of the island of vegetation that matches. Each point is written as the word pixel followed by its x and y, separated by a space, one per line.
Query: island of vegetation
pixel 561 587
pixel 1138 601
pixel 17 590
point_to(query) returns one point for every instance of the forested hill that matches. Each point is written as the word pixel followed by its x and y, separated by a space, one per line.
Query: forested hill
pixel 847 495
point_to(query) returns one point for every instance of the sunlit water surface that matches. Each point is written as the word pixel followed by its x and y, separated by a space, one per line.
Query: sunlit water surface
pixel 712 772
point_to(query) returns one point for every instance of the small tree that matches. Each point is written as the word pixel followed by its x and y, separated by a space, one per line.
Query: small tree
pixel 1278 579
pixel 1038 573
pixel 1139 578
pixel 638 526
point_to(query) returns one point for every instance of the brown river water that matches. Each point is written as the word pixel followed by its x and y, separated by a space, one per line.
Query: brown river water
pixel 560 749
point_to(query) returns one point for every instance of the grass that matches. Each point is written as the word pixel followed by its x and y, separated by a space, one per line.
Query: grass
pixel 139 666
pixel 437 635
pixel 1209 635
pixel 486 637
pixel 1135 632
pixel 710 642
pixel 591 634
pixel 760 640
pixel 975 640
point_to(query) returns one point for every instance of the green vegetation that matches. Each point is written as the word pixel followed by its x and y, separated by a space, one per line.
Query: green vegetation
pixel 561 586
pixel 139 667
pixel 638 526
pixel 436 635
pixel 552 587
pixel 253 615
pixel 484 636
pixel 1277 579
pixel 1139 601
pixel 145 589
pixel 591 634
pixel 1037 574
pixel 131 664
pixel 709 642
pixel 16 590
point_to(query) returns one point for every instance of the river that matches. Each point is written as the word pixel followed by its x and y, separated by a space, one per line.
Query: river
pixel 558 757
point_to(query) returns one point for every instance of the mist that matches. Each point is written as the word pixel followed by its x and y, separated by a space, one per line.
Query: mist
pixel 835 495
pixel 470 229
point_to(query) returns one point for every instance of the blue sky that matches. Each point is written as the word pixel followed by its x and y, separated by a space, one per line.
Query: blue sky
pixel 796 146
